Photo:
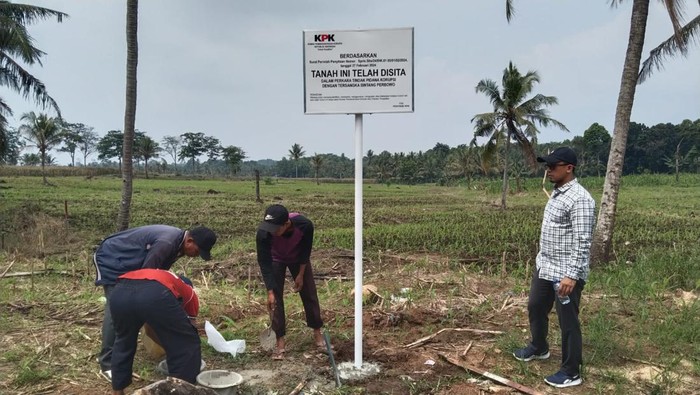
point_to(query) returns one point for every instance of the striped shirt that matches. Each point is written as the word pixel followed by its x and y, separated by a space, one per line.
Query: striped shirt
pixel 567 228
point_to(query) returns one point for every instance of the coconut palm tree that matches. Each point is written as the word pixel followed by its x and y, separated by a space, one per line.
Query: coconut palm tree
pixel 631 76
pixel 44 132
pixel 295 154
pixel 514 117
pixel 147 149
pixel 17 47
pixel 316 163
pixel 132 7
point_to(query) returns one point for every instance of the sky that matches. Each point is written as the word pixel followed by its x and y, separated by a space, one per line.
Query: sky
pixel 234 69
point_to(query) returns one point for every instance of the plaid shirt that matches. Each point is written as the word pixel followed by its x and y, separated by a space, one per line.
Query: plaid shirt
pixel 565 239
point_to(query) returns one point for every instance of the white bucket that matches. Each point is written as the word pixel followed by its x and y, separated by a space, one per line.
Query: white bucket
pixel 223 382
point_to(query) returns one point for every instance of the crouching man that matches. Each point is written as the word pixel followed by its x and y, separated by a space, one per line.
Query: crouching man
pixel 167 304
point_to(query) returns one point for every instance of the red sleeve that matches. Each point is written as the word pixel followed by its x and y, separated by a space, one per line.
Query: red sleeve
pixel 190 302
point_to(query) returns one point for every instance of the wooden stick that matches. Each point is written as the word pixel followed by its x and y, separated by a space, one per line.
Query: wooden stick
pixel 503 265
pixel 204 280
pixel 466 350
pixel 424 340
pixel 8 268
pixel 333 277
pixel 505 302
pixel 47 271
pixel 496 378
pixel 250 285
pixel 299 387
pixel 544 178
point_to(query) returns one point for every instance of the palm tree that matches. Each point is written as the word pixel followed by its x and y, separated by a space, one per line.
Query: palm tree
pixel 44 133
pixel 513 111
pixel 15 42
pixel 631 76
pixel 295 154
pixel 132 7
pixel 462 162
pixel 147 149
pixel 316 163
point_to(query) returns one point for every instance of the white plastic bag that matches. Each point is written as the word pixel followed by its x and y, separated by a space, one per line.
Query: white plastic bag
pixel 216 340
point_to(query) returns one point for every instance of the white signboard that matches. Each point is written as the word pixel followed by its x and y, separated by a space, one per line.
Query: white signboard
pixel 358 71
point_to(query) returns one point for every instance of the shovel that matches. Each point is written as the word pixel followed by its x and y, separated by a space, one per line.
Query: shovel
pixel 268 338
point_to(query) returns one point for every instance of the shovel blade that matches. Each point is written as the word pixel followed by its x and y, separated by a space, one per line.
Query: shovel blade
pixel 268 339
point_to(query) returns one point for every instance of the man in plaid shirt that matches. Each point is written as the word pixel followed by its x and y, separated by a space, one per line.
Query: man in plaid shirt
pixel 565 242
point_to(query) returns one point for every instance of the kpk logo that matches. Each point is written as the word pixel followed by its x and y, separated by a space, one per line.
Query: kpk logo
pixel 324 38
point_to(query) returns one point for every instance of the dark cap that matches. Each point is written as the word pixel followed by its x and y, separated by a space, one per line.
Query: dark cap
pixel 275 216
pixel 561 154
pixel 205 239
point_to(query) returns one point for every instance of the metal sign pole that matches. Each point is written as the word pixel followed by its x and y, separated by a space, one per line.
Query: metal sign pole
pixel 358 241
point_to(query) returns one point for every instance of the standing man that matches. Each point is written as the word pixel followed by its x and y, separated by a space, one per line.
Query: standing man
pixel 284 242
pixel 145 247
pixel 563 263
pixel 168 304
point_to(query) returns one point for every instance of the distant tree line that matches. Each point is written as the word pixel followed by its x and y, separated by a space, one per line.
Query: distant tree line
pixel 662 148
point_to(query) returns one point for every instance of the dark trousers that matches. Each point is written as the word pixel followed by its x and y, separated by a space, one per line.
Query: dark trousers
pixel 539 306
pixel 137 302
pixel 105 357
pixel 308 294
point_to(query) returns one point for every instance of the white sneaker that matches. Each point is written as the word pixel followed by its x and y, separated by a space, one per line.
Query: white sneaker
pixel 107 374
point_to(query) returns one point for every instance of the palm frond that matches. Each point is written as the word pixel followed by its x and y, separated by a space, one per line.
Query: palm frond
pixel 669 48
pixel 537 102
pixel 485 124
pixel 510 10
pixel 16 41
pixel 675 12
pixel 488 156
pixel 531 132
pixel 28 14
pixel 542 118
pixel 523 142
pixel 26 84
pixel 490 88
pixel 5 110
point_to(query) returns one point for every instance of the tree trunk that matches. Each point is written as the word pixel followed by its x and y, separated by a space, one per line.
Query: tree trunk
pixel 678 159
pixel 257 186
pixel 145 167
pixel 43 162
pixel 504 193
pixel 129 113
pixel 602 237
